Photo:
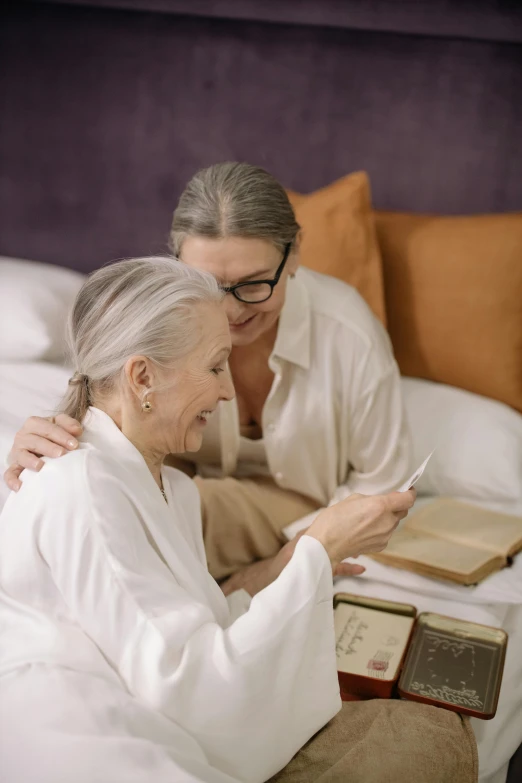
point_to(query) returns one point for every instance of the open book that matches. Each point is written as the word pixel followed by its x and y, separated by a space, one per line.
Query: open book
pixel 454 541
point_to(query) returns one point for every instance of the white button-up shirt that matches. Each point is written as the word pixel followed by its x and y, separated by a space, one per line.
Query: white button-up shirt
pixel 333 422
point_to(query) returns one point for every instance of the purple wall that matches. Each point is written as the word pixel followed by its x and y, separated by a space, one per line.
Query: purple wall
pixel 106 113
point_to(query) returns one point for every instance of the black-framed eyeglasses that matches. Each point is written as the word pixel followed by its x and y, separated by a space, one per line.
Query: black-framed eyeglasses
pixel 257 290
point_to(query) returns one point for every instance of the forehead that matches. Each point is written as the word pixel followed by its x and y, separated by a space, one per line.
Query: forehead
pixel 212 329
pixel 231 258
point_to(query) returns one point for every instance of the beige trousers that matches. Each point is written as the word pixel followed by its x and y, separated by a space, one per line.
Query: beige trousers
pixel 243 520
pixel 387 741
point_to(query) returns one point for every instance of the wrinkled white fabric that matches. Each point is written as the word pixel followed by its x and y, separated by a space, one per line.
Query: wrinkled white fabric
pixel 105 600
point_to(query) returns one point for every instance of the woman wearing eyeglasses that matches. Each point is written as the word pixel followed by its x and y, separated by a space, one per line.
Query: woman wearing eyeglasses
pixel 318 412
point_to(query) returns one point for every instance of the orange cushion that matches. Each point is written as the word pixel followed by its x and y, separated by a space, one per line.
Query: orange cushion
pixel 453 288
pixel 338 236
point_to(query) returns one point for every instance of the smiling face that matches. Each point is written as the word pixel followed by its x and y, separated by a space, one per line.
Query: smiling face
pixel 200 381
pixel 185 395
pixel 235 260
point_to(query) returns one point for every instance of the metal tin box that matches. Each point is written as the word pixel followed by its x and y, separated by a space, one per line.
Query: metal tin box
pixel 441 661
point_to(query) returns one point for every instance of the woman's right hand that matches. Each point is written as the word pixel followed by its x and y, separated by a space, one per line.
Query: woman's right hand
pixel 38 438
pixel 360 524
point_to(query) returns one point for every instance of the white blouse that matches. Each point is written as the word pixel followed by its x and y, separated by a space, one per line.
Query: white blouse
pixel 98 574
pixel 252 459
pixel 333 423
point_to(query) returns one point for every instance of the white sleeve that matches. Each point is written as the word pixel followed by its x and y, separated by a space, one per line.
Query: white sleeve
pixel 251 694
pixel 380 447
pixel 379 457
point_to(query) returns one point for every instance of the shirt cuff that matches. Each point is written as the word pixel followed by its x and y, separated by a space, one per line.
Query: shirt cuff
pixel 313 551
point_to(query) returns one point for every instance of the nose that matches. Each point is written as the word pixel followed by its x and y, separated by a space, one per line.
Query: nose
pixel 227 391
pixel 233 308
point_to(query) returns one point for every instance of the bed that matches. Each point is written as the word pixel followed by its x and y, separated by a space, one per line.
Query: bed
pixel 35 387
pixel 112 105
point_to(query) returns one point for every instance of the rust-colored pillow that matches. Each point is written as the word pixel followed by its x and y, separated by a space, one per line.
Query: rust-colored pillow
pixel 453 288
pixel 339 237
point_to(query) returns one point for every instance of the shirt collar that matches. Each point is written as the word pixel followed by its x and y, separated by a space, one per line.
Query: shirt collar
pixel 293 334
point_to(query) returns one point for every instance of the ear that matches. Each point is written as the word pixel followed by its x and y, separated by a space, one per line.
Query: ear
pixel 140 375
pixel 295 258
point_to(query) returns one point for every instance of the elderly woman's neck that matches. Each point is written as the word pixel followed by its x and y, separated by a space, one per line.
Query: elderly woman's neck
pixel 137 431
pixel 153 459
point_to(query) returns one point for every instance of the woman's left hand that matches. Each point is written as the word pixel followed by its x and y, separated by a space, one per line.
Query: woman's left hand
pixel 254 578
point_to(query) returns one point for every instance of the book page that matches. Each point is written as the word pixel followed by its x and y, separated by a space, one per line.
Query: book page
pixel 436 553
pixel 370 642
pixel 469 525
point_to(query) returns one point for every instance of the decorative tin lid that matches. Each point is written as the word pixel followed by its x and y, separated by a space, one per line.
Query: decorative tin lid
pixel 456 664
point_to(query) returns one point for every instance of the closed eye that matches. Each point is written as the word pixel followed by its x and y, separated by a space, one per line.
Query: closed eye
pixel 217 370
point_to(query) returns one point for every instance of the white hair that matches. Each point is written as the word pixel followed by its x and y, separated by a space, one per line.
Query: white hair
pixel 139 306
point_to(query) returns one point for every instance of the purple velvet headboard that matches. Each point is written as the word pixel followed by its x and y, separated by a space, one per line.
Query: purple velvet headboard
pixel 107 109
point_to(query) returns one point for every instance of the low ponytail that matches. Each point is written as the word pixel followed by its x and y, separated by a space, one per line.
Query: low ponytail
pixel 77 399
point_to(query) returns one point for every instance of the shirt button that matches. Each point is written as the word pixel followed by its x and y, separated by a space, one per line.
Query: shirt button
pixel 279 476
pixel 271 428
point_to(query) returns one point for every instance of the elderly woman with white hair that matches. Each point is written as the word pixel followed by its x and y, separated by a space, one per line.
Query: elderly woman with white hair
pixel 121 659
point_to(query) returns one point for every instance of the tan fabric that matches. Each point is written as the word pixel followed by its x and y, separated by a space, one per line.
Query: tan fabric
pixel 243 520
pixel 387 742
pixel 453 289
pixel 339 236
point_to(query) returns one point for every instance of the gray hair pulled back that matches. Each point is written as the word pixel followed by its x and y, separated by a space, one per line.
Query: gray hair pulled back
pixel 141 306
pixel 234 200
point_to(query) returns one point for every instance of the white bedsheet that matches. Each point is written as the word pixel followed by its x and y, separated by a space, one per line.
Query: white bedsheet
pixel 36 388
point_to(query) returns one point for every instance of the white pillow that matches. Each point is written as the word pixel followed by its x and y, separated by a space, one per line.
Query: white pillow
pixel 26 389
pixel 477 442
pixel 35 300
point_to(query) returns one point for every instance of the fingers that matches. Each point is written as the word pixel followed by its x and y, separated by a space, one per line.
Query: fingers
pixel 69 424
pixel 11 477
pixel 360 524
pixel 29 448
pixel 399 502
pixel 349 569
pixel 46 429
